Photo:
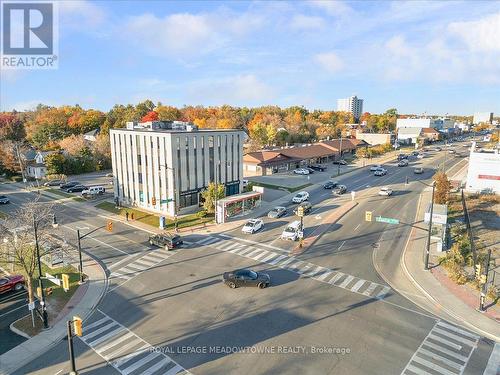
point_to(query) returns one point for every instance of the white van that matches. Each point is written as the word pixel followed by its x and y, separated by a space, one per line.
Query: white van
pixel 94 190
pixel 292 230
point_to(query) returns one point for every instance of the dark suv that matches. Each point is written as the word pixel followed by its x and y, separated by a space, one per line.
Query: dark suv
pixel 166 240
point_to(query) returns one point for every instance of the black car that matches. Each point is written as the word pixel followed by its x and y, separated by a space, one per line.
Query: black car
pixel 166 240
pixel 76 188
pixel 68 185
pixel 307 208
pixel 341 162
pixel 246 277
pixel 319 168
pixel 4 199
pixel 402 156
pixel 340 189
pixel 329 185
pixel 311 171
pixel 54 183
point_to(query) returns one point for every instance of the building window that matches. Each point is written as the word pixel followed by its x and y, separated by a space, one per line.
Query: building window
pixel 188 200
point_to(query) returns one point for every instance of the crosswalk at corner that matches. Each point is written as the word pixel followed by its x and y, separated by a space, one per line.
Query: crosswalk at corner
pixel 446 350
pixel 125 351
pixel 325 275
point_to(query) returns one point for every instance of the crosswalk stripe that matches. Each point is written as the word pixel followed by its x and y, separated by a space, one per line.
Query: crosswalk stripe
pixel 261 255
pixel 128 270
pixel 493 366
pixel 289 260
pixel 439 358
pixel 324 276
pixel 115 354
pixel 454 336
pixel 224 245
pixel 370 289
pixel 346 281
pixel 358 285
pixel 416 370
pixel 107 336
pixel 208 241
pixel 304 269
pixel 137 267
pixel 97 323
pixel 383 292
pixel 446 351
pixel 153 369
pixel 96 332
pixel 247 250
pixel 140 363
pixel 313 272
pixel 295 265
pixel 234 248
pixel 269 257
pixel 174 370
pixel 112 343
pixel 253 253
pixel 120 276
pixel 277 260
pixel 458 330
pixel 128 357
pixel 433 366
pixel 444 341
pixel 148 262
pixel 156 257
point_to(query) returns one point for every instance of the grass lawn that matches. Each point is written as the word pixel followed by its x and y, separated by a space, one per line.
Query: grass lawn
pixel 152 219
pixel 61 193
pixel 55 302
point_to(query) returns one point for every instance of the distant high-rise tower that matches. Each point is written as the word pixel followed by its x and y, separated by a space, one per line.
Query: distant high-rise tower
pixel 352 105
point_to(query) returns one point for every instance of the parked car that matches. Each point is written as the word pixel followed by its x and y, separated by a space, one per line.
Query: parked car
pixel 330 184
pixel 319 168
pixel 402 156
pixel 341 162
pixel 292 231
pixel 311 171
pixel 340 189
pixel 380 172
pixel 246 277
pixel 167 241
pixel 94 190
pixel 307 208
pixel 301 171
pixel 451 151
pixel 385 191
pixel 415 153
pixel 418 170
pixel 4 199
pixel 300 197
pixel 403 163
pixel 252 226
pixel 76 189
pixel 68 185
pixel 54 183
pixel 276 212
pixel 373 168
pixel 12 282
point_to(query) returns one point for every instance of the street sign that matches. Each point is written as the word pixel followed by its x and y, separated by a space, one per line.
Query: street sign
pixel 387 220
pixel 368 216
pixel 300 211
pixel 53 279
pixel 31 306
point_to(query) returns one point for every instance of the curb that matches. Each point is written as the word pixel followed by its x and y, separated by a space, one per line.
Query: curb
pixel 18 331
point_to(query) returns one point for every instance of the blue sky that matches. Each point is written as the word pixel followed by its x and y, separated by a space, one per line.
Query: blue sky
pixel 417 56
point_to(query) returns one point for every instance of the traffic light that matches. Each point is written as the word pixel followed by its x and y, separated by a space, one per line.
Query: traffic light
pixel 109 226
pixel 368 216
pixel 153 201
pixel 300 211
pixel 482 279
pixel 478 271
pixel 77 325
pixel 65 281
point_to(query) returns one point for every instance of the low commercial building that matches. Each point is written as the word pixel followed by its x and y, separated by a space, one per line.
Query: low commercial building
pixel 409 135
pixel 164 166
pixel 483 174
pixel 374 139
pixel 430 134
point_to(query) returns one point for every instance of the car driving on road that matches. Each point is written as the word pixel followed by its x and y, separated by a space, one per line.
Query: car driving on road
pixel 4 199
pixel 301 171
pixel 403 163
pixel 340 189
pixel 12 282
pixel 166 240
pixel 418 170
pixel 385 191
pixel 276 212
pixel 246 277
pixel 252 226
pixel 380 172
pixel 300 197
pixel 330 184
pixel 341 162
pixel 373 168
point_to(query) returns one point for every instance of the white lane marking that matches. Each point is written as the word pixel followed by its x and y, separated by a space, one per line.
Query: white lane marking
pixel 252 242
pixel 358 285
pixel 383 292
pixel 324 276
pixel 336 277
pixel 444 341
pixel 342 244
pixel 458 330
pixel 357 227
pixel 347 280
pixel 370 289
pixel 451 353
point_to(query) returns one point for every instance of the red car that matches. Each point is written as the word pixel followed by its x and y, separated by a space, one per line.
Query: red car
pixel 8 283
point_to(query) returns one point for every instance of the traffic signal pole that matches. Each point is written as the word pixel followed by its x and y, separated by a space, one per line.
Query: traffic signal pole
pixel 482 296
pixel 71 351
pixel 428 248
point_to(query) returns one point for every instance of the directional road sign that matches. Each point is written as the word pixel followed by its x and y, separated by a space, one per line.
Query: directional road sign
pixel 387 220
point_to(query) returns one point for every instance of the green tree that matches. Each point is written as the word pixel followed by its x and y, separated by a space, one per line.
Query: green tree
pixel 443 186
pixel 212 193
pixel 55 163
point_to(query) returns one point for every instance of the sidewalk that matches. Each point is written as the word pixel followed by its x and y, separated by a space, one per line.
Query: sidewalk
pixel 84 301
pixel 454 300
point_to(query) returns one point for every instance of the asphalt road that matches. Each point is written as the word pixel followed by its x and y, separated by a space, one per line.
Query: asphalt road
pixel 13 306
pixel 328 311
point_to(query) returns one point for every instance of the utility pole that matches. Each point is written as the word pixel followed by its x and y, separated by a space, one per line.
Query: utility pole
pixel 338 166
pixel 71 350
pixel 427 252
pixel 484 282
pixel 45 317
pixel 80 265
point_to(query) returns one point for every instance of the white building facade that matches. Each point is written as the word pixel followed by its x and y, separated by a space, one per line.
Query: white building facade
pixel 483 174
pixel 164 166
pixel 482 117
pixel 352 105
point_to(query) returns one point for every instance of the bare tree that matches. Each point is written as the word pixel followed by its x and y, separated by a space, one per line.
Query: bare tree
pixel 32 220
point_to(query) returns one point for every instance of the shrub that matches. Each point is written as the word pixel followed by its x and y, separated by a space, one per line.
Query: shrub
pixel 201 214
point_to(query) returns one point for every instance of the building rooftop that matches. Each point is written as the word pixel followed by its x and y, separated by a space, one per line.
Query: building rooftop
pixel 169 127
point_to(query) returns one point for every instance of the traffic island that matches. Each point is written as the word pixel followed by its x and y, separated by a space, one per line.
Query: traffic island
pixel 325 224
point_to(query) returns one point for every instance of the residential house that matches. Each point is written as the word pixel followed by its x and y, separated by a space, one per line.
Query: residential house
pixel 91 136
pixel 36 168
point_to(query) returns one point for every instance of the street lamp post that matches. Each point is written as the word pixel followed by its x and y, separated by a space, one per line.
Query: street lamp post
pixel 428 248
pixel 338 166
pixel 80 265
pixel 45 317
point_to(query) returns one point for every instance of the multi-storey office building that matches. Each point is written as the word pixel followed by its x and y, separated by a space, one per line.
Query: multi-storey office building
pixel 164 166
pixel 352 105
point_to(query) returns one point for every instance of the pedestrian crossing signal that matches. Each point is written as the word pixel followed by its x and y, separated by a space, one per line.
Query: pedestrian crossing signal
pixel 109 226
pixel 368 216
pixel 77 325
pixel 478 271
pixel 65 281
pixel 153 201
pixel 482 279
